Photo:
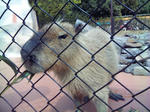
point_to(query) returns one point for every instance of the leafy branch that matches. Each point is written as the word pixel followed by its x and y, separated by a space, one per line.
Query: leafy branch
pixel 23 75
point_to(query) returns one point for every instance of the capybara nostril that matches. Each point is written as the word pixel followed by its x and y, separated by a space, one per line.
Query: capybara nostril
pixel 31 58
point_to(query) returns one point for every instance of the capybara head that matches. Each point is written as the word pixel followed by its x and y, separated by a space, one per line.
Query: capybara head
pixel 43 49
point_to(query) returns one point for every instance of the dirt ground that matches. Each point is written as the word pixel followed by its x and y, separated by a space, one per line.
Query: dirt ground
pixel 29 97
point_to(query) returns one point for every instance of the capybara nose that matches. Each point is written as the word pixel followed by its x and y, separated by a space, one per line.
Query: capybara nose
pixel 27 55
pixel 29 47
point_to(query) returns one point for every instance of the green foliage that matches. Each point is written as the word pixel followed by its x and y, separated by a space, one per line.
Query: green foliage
pixel 10 63
pixel 146 8
pixel 52 7
pixel 77 1
pixel 133 110
pixel 23 75
pixel 132 4
pixel 70 12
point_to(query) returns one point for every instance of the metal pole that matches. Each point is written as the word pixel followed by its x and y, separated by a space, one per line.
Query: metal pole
pixel 112 18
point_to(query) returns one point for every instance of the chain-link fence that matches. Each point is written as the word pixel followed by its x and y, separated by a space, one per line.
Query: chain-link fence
pixel 114 31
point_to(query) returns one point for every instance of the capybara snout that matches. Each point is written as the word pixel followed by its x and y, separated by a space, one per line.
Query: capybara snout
pixel 31 44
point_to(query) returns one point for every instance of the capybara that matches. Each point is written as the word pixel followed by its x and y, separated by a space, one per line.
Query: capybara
pixel 88 59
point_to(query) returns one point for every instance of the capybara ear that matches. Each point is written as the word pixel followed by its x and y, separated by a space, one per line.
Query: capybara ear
pixel 78 27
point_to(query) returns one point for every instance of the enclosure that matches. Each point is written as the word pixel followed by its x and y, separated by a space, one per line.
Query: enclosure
pixel 128 24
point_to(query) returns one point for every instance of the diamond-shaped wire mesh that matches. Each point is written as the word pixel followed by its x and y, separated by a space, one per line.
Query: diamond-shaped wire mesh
pixel 23 100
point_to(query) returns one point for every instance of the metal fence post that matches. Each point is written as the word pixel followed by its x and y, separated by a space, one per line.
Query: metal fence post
pixel 112 18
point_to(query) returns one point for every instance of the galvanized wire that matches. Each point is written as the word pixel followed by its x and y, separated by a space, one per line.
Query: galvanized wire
pixel 134 13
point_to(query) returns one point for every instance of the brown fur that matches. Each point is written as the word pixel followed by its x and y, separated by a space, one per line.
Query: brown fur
pixel 76 57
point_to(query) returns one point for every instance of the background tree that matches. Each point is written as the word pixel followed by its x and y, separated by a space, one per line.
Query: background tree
pixel 95 7
pixel 146 8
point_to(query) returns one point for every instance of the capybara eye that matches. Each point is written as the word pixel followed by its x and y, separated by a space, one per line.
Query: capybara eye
pixel 62 36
